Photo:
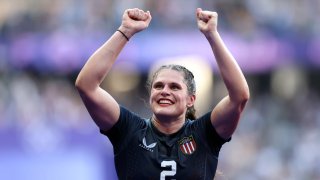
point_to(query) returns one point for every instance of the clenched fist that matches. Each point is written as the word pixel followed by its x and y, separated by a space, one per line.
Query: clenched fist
pixel 207 21
pixel 134 20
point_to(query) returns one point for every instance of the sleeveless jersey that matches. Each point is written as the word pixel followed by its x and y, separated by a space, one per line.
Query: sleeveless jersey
pixel 142 152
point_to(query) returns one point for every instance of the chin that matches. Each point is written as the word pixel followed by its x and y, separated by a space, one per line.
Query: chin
pixel 165 113
pixel 160 111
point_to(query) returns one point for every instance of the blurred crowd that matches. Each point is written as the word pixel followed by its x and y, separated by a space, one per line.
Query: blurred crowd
pixel 285 17
pixel 42 114
pixel 32 31
pixel 277 138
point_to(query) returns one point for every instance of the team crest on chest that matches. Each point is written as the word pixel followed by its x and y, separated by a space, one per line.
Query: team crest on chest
pixel 187 145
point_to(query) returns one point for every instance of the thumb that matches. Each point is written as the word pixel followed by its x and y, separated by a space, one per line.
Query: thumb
pixel 198 13
pixel 148 16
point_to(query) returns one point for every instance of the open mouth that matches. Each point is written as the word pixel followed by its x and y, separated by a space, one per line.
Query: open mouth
pixel 165 102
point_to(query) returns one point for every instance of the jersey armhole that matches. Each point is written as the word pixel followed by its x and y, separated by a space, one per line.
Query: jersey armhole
pixel 214 140
pixel 122 131
pixel 214 132
pixel 113 129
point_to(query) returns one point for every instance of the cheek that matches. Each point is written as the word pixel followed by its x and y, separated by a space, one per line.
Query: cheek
pixel 152 96
pixel 187 99
pixel 182 99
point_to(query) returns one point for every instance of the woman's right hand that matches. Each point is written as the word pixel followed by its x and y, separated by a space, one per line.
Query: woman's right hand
pixel 134 20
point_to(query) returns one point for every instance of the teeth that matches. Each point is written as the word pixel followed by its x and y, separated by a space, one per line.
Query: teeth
pixel 164 102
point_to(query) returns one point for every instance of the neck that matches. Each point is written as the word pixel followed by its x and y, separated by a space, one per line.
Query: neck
pixel 168 126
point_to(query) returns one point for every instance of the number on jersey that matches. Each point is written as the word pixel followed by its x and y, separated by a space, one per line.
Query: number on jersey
pixel 173 169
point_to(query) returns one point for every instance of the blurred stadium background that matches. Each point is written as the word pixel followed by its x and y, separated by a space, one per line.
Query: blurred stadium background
pixel 46 133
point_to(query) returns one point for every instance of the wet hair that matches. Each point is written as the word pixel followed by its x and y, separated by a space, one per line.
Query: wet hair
pixel 188 80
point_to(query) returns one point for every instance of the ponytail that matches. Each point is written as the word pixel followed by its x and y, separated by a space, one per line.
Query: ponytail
pixel 191 113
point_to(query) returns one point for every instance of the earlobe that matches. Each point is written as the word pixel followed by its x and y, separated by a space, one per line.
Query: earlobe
pixel 192 100
pixel 189 105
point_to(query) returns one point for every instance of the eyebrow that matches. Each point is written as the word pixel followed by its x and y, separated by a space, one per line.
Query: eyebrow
pixel 176 84
pixel 170 83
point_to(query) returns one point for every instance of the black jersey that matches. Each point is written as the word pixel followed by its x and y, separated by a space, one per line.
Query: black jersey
pixel 143 152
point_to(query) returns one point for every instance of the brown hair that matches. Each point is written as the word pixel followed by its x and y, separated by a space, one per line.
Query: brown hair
pixel 188 79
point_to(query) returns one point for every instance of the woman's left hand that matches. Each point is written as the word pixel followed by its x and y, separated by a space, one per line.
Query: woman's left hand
pixel 207 21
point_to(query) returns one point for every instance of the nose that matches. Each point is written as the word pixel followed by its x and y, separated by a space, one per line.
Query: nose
pixel 165 91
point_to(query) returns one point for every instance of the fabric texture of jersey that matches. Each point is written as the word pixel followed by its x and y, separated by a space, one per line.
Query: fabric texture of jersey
pixel 143 152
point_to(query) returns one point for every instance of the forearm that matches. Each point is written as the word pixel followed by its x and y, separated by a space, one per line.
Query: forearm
pixel 100 63
pixel 229 69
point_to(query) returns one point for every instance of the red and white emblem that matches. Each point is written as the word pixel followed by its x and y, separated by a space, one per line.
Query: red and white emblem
pixel 187 145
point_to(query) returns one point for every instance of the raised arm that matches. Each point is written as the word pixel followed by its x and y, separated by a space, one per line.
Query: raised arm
pixel 225 116
pixel 102 107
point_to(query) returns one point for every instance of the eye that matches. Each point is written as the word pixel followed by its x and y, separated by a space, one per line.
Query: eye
pixel 175 87
pixel 158 86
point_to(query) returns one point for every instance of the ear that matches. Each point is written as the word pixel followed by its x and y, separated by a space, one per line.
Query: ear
pixel 191 100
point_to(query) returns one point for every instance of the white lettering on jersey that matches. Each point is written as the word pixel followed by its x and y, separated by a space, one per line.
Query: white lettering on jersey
pixel 147 147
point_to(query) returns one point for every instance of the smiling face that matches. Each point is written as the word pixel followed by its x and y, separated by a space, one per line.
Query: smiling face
pixel 169 97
